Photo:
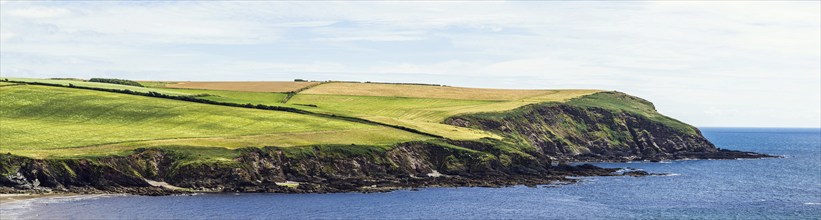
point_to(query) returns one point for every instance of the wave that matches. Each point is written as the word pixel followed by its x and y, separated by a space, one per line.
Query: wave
pixel 812 203
pixel 21 209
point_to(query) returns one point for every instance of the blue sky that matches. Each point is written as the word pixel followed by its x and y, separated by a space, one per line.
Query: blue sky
pixel 728 63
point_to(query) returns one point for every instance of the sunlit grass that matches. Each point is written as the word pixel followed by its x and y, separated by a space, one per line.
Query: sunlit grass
pixel 101 85
pixel 424 114
pixel 376 136
pixel 267 98
pixel 42 117
pixel 240 86
pixel 428 91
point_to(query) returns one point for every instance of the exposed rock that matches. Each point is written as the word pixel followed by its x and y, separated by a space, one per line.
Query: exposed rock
pixel 636 173
pixel 410 165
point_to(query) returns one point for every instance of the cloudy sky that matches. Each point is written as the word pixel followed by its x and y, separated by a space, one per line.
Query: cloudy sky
pixel 728 63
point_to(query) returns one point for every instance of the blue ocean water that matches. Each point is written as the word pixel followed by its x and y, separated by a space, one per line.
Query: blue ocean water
pixel 784 188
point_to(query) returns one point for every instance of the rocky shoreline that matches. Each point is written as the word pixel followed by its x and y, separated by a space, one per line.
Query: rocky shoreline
pixel 556 175
pixel 719 154
pixel 562 175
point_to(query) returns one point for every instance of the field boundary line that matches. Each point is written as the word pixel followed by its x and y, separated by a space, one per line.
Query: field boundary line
pixel 229 104
pixel 16 84
pixel 291 94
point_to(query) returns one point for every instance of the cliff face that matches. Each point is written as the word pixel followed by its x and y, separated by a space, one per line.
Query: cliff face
pixel 327 169
pixel 272 169
pixel 605 126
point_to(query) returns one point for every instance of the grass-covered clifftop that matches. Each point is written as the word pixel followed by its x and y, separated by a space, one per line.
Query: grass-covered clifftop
pixel 334 135
pixel 620 102
pixel 604 125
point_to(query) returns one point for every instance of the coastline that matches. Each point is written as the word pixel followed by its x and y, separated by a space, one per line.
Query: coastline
pixel 12 198
pixel 439 182
pixel 562 174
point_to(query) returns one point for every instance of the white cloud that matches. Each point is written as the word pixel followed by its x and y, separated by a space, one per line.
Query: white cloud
pixel 4 36
pixel 707 63
pixel 39 12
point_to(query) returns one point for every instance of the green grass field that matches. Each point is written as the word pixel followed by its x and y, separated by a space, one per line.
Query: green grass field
pixel 101 85
pixel 267 98
pixel 423 91
pixel 254 86
pixel 425 114
pixel 7 84
pixel 42 121
pixel 423 111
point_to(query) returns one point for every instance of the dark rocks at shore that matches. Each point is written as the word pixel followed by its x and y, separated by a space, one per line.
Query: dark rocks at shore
pixel 557 175
pixel 718 154
pixel 724 154
pixel 636 173
pixel 412 165
pixel 337 186
pixel 145 191
pixel 408 166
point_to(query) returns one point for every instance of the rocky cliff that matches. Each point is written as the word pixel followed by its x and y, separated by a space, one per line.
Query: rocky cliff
pixel 607 126
pixel 273 169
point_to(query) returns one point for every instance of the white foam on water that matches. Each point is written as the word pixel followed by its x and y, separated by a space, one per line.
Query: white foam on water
pixel 22 209
pixel 812 203
pixel 64 199
pixel 16 209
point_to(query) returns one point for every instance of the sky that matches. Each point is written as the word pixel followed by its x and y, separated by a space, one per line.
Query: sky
pixel 726 64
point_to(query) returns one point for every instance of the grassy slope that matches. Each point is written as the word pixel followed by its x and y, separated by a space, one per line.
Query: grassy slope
pixel 575 129
pixel 56 119
pixel 267 98
pixel 260 86
pixel 631 104
pixel 417 113
pixel 423 91
pixel 101 85
pixel 423 110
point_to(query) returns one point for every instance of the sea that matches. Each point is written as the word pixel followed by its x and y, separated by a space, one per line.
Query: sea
pixel 774 188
